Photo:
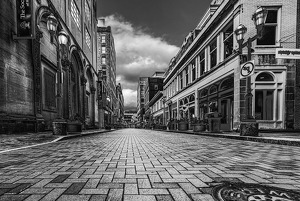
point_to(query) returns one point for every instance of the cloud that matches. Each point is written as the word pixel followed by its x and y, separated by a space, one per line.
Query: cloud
pixel 130 97
pixel 139 54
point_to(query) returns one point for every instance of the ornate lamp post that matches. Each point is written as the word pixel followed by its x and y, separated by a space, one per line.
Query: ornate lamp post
pixel 62 40
pixel 249 127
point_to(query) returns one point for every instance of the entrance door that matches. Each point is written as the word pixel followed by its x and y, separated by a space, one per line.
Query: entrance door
pixel 226 112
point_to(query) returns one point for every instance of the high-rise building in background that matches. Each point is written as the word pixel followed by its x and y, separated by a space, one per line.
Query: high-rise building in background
pixel 106 62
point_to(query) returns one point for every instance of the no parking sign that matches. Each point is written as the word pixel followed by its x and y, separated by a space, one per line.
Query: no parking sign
pixel 247 69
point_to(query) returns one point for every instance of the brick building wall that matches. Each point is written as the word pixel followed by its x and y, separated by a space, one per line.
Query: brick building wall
pixel 16 75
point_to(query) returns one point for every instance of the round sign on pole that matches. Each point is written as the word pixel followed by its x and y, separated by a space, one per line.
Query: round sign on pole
pixel 247 69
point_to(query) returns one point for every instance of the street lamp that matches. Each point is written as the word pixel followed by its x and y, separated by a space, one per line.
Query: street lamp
pixel 249 126
pixel 62 39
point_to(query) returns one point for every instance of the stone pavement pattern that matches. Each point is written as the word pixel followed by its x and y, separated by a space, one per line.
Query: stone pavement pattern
pixel 134 164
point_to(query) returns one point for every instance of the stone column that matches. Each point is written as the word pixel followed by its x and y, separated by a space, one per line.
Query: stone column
pixel 83 82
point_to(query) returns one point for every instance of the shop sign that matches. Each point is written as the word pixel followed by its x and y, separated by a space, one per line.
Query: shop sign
pixel 25 16
pixel 247 69
pixel 285 53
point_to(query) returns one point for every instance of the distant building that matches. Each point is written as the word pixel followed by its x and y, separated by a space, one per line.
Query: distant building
pixel 141 98
pixel 120 106
pixel 153 85
pixel 129 118
pixel 106 61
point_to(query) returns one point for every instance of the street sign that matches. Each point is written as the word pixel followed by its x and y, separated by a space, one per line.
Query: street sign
pixel 25 19
pixel 285 53
pixel 247 69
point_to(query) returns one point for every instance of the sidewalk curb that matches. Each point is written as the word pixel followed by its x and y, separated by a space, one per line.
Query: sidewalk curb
pixel 59 139
pixel 80 135
pixel 270 140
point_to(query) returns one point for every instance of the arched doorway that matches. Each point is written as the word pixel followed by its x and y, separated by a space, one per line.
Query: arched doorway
pixel 74 93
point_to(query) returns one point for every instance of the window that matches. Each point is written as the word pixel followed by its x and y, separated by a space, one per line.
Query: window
pixel 87 11
pixel 186 76
pixel 155 87
pixel 193 71
pixel 87 38
pixel 103 49
pixel 75 14
pixel 213 53
pixel 50 101
pixel 180 81
pixel 264 104
pixel 270 29
pixel 264 77
pixel 202 63
pixel 103 60
pixel 228 40
pixel 103 39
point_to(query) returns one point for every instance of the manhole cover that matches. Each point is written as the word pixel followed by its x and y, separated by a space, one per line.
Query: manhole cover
pixel 252 192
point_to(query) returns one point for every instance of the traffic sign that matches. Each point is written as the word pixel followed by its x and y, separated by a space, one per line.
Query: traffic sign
pixel 247 69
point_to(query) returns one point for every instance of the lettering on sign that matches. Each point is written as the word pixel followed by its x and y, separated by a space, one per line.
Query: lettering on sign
pixel 25 26
pixel 284 53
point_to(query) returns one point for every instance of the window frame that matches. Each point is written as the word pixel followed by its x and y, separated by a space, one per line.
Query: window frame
pixel 277 26
pixel 213 51
pixel 75 13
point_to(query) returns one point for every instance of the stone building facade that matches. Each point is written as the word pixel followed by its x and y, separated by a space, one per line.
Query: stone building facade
pixel 204 76
pixel 41 80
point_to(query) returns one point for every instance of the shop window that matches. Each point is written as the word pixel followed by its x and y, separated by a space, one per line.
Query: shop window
pixel 213 53
pixel 270 29
pixel 228 40
pixel 264 101
pixel 203 110
pixel 50 100
pixel 202 63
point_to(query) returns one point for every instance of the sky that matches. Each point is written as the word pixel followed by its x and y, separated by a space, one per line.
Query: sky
pixel 147 34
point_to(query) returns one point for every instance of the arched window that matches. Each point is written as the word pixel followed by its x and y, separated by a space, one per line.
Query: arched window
pixel 213 89
pixel 264 77
pixel 203 93
pixel 227 84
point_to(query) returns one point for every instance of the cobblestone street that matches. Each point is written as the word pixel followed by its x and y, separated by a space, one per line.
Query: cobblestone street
pixel 136 164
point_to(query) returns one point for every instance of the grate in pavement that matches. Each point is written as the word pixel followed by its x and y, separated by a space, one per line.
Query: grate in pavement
pixel 229 191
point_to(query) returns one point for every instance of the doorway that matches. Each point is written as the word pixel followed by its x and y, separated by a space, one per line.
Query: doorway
pixel 226 112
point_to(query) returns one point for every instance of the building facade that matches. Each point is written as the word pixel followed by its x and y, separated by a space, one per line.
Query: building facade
pixel 120 106
pixel 204 77
pixel 153 86
pixel 106 61
pixel 44 79
pixel 141 99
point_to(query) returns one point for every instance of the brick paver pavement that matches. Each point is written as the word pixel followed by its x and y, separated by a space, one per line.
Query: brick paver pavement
pixel 135 164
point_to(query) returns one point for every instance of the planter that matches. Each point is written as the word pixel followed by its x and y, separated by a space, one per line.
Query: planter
pixel 182 126
pixel 199 127
pixel 74 127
